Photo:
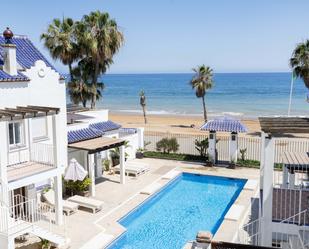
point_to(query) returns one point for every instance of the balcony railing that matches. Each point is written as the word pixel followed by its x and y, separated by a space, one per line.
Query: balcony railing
pixel 37 152
pixel 29 214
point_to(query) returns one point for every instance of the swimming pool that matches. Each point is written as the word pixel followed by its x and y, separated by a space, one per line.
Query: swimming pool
pixel 173 216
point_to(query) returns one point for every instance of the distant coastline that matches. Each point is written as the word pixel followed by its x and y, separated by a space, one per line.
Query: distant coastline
pixel 241 95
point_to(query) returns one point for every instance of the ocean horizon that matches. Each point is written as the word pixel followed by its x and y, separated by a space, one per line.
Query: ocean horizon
pixel 242 95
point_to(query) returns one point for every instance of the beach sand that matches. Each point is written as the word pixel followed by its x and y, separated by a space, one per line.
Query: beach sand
pixel 172 123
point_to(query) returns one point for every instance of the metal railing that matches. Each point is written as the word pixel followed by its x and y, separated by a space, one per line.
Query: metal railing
pixel 250 233
pixel 28 213
pixel 290 233
pixel 37 152
pixel 42 153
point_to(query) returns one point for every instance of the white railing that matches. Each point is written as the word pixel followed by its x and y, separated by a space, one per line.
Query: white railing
pixel 37 152
pixel 27 214
pixel 42 153
pixel 290 233
pixel 252 144
pixel 250 233
pixel 293 232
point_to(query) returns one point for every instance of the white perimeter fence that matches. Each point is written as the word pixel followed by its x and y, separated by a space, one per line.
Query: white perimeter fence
pixel 252 144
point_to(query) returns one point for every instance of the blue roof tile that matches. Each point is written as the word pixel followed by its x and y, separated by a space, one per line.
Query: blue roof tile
pixel 6 77
pixel 105 126
pixel 83 134
pixel 26 54
pixel 225 125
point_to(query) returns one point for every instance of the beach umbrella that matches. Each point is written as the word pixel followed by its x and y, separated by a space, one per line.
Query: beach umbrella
pixel 75 171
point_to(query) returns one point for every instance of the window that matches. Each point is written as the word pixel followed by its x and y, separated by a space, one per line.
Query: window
pixel 39 128
pixel 15 133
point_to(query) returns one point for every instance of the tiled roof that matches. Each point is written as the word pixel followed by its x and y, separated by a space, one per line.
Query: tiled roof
pixel 105 126
pixel 26 54
pixel 83 134
pixel 225 125
pixel 6 77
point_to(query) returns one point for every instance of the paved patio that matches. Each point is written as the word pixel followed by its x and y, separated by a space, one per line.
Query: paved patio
pixel 91 230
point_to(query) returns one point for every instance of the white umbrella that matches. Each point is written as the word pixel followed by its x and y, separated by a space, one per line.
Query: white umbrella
pixel 75 171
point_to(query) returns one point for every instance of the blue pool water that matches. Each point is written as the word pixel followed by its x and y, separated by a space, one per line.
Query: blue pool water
pixel 174 215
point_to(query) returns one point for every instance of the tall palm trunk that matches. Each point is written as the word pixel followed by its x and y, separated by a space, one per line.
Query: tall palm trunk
pixel 144 113
pixel 204 108
pixel 95 80
pixel 71 72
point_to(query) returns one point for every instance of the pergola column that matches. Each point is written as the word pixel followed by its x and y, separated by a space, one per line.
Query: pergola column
pixel 212 146
pixel 58 178
pixel 285 180
pixel 91 174
pixel 4 195
pixel 122 164
pixel 267 166
pixel 291 179
pixel 233 146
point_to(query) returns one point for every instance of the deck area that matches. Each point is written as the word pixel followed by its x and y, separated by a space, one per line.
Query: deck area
pixel 102 227
pixel 22 170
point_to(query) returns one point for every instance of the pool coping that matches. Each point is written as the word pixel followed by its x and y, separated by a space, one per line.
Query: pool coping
pixel 220 234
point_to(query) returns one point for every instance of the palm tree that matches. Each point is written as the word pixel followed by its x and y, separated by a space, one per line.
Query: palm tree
pixel 80 89
pixel 61 43
pixel 142 101
pixel 201 82
pixel 100 40
pixel 300 62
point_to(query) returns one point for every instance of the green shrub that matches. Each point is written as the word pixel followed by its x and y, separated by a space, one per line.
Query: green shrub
pixel 168 145
pixel 243 154
pixel 77 186
pixel 173 156
pixel 202 147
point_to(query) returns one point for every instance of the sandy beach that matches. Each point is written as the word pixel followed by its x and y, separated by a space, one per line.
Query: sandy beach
pixel 171 123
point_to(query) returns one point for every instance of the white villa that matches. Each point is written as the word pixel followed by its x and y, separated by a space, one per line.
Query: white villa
pixel 39 139
pixel 33 139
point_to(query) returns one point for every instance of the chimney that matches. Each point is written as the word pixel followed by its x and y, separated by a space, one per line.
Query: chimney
pixel 9 59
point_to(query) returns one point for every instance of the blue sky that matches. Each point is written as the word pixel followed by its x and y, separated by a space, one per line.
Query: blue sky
pixel 176 35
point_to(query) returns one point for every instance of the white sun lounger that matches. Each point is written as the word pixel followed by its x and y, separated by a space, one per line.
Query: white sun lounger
pixel 68 207
pixel 86 202
pixel 135 170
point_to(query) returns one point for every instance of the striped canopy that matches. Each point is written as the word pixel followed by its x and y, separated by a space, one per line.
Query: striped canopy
pixel 225 124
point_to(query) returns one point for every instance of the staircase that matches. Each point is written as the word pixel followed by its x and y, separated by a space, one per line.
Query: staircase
pixel 34 218
pixel 291 233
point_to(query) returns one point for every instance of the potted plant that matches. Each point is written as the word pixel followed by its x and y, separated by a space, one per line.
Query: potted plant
pixel 209 161
pixel 115 154
pixel 45 244
pixel 106 166
pixel 232 164
pixel 78 187
pixel 139 153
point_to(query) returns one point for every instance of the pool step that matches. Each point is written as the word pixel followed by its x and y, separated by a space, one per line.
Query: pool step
pixel 251 185
pixel 152 188
pixel 99 241
pixel 235 212
pixel 171 175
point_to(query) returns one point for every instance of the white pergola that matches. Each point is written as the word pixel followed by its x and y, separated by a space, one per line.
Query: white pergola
pixel 95 145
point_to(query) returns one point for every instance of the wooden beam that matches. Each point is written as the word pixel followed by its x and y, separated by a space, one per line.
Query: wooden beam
pixel 44 108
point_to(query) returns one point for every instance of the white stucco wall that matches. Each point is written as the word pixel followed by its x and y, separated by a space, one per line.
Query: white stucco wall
pixel 44 89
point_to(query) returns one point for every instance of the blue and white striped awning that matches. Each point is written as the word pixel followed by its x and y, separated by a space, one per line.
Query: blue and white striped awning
pixel 225 124
pixel 105 126
pixel 83 134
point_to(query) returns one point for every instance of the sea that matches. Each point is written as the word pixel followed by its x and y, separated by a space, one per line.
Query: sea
pixel 243 95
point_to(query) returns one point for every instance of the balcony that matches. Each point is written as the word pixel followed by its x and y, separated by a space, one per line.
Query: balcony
pixel 25 162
